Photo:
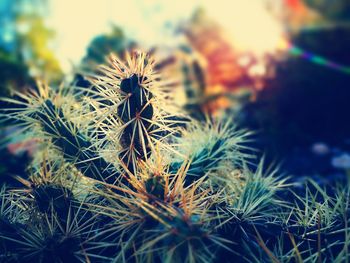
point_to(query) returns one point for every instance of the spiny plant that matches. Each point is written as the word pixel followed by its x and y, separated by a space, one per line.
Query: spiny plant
pixel 211 148
pixel 316 227
pixel 10 216
pixel 46 222
pixel 161 220
pixel 122 175
pixel 49 239
pixel 136 108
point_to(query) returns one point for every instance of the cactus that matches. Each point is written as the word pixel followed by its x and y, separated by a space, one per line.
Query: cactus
pixel 122 175
pixel 9 227
pixel 212 146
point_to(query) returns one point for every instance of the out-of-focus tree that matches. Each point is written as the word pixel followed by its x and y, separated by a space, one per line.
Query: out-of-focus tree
pixel 97 51
pixel 217 71
pixel 299 14
pixel 338 10
pixel 13 73
pixel 294 14
pixel 104 44
pixel 35 41
pixel 25 44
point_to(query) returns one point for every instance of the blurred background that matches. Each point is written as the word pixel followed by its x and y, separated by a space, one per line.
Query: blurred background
pixel 280 68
